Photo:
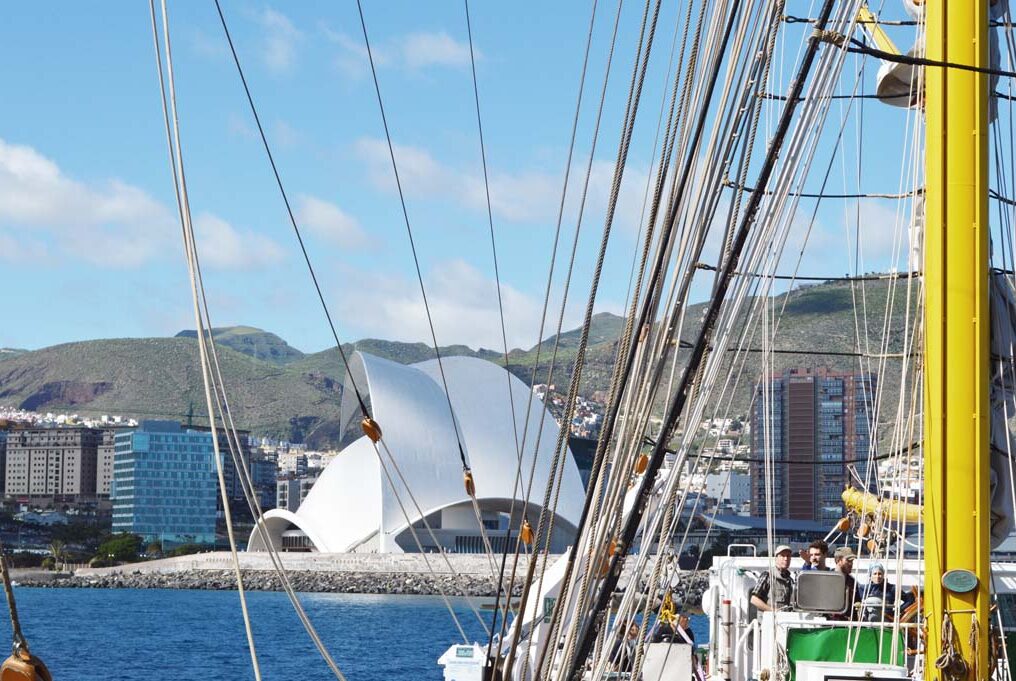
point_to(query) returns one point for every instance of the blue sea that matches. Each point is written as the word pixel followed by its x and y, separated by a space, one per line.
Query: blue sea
pixel 122 634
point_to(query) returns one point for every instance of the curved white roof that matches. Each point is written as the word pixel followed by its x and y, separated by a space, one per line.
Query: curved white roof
pixel 353 504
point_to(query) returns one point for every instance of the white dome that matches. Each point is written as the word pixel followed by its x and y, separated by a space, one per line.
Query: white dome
pixel 353 507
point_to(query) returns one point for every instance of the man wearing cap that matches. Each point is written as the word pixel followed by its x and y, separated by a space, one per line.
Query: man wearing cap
pixel 775 589
pixel 844 557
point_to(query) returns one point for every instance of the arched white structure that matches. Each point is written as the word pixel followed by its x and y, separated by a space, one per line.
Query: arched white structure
pixel 354 505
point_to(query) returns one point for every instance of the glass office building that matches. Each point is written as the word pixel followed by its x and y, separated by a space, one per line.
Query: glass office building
pixel 164 483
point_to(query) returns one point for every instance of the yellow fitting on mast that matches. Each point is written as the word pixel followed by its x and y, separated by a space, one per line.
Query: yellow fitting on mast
pixel 869 24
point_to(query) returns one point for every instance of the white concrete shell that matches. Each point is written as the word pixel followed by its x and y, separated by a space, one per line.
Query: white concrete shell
pixel 354 507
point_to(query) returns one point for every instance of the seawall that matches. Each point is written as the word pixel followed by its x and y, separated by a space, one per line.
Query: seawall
pixel 452 574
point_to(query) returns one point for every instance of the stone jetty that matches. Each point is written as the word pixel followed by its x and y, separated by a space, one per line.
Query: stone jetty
pixel 459 575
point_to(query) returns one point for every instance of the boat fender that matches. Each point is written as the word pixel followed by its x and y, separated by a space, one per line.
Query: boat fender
pixel 526 532
pixel 641 464
pixel 371 429
pixel 843 525
pixel 467 479
pixel 604 567
pixel 23 666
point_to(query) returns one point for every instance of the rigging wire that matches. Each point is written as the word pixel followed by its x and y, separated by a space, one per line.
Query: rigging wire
pixel 289 211
pixel 546 302
pixel 504 334
pixel 412 242
pixel 676 406
pixel 349 373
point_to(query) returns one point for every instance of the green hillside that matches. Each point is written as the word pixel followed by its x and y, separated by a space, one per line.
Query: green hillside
pixel 250 341
pixel 279 391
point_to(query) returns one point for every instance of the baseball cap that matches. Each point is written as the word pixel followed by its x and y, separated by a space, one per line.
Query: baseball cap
pixel 844 552
pixel 781 548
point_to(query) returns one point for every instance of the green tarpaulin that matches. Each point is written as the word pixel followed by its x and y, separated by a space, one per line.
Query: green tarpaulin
pixel 831 645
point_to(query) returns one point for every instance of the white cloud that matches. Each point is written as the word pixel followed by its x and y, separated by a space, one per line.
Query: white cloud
pixel 415 51
pixel 284 135
pixel 21 250
pixel 330 222
pixel 352 58
pixel 463 302
pixel 222 245
pixel 527 196
pixel 420 50
pixel 205 45
pixel 280 40
pixel 112 224
pixel 237 126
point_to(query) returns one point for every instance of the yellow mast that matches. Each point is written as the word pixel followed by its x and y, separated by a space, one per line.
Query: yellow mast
pixel 956 400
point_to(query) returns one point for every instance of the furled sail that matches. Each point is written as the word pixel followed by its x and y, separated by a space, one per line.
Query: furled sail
pixel 1003 401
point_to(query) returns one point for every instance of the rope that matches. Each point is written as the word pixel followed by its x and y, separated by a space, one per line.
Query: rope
pixel 20 645
pixel 859 48
pixel 950 662
pixel 180 185
pixel 541 525
pixel 740 186
pixel 543 315
pixel 676 406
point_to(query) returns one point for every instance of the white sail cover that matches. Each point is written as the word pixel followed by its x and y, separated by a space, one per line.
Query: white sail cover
pixel 897 84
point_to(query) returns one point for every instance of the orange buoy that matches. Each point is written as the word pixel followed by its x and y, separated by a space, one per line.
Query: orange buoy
pixel 864 530
pixel 526 532
pixel 23 666
pixel 641 464
pixel 843 525
pixel 872 545
pixel 370 428
pixel 467 478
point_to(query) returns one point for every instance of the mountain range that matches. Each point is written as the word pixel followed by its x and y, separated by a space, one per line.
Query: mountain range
pixel 277 390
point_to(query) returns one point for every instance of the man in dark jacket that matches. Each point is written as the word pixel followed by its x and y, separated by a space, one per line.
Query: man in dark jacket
pixel 775 589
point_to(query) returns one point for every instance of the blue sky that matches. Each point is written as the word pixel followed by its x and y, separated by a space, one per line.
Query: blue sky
pixel 89 246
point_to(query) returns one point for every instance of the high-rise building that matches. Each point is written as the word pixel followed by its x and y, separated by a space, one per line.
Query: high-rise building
pixel 52 464
pixel 165 485
pixel 104 460
pixel 3 458
pixel 287 495
pixel 811 424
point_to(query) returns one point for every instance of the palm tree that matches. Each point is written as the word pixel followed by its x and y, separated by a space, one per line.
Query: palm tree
pixel 56 549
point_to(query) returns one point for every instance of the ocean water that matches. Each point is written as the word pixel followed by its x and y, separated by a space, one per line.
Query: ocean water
pixel 122 634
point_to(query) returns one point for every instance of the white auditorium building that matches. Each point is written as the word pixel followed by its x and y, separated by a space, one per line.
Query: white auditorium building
pixel 359 506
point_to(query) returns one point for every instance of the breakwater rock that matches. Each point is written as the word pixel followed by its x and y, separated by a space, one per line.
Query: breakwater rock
pixel 688 588
pixel 264 580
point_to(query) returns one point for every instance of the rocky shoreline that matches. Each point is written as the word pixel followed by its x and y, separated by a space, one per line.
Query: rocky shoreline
pixel 687 591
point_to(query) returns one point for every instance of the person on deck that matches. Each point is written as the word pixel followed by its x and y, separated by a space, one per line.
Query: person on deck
pixel 844 558
pixel 815 559
pixel 623 654
pixel 878 587
pixel 775 589
pixel 686 635
pixel 683 631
